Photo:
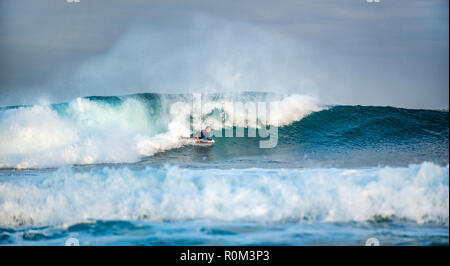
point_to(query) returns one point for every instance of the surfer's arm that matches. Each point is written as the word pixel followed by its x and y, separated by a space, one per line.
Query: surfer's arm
pixel 207 136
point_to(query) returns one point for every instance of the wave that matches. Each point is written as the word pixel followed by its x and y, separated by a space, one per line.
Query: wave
pixel 126 129
pixel 418 193
pixel 121 129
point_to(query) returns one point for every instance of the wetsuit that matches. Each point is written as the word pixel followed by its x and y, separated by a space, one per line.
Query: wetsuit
pixel 202 135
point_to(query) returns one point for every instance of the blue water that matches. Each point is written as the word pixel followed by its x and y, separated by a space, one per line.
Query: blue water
pixel 111 171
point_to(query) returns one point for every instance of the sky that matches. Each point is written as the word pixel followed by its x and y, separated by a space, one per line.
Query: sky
pixel 340 51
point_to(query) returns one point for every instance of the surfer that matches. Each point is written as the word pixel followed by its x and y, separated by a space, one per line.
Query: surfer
pixel 203 135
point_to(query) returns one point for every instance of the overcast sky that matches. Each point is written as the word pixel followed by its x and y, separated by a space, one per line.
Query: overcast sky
pixel 342 51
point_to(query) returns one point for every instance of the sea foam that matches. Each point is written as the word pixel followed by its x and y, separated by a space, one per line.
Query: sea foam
pixel 418 193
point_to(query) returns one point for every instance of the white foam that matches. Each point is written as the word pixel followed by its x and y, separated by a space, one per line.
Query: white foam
pixel 284 112
pixel 419 193
pixel 92 132
pixel 39 137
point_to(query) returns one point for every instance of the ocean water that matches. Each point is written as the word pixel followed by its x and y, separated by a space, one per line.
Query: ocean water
pixel 114 171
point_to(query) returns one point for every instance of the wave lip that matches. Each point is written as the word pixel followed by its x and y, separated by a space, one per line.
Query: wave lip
pixel 418 193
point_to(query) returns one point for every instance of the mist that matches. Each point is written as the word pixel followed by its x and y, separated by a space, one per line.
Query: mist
pixel 351 52
pixel 207 55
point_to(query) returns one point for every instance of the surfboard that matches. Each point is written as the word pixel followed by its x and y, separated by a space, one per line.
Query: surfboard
pixel 204 141
pixel 198 141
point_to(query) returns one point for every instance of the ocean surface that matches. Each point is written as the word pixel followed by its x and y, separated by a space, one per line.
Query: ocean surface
pixel 117 171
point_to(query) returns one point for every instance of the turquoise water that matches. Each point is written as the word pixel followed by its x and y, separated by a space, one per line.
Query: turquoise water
pixel 112 171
